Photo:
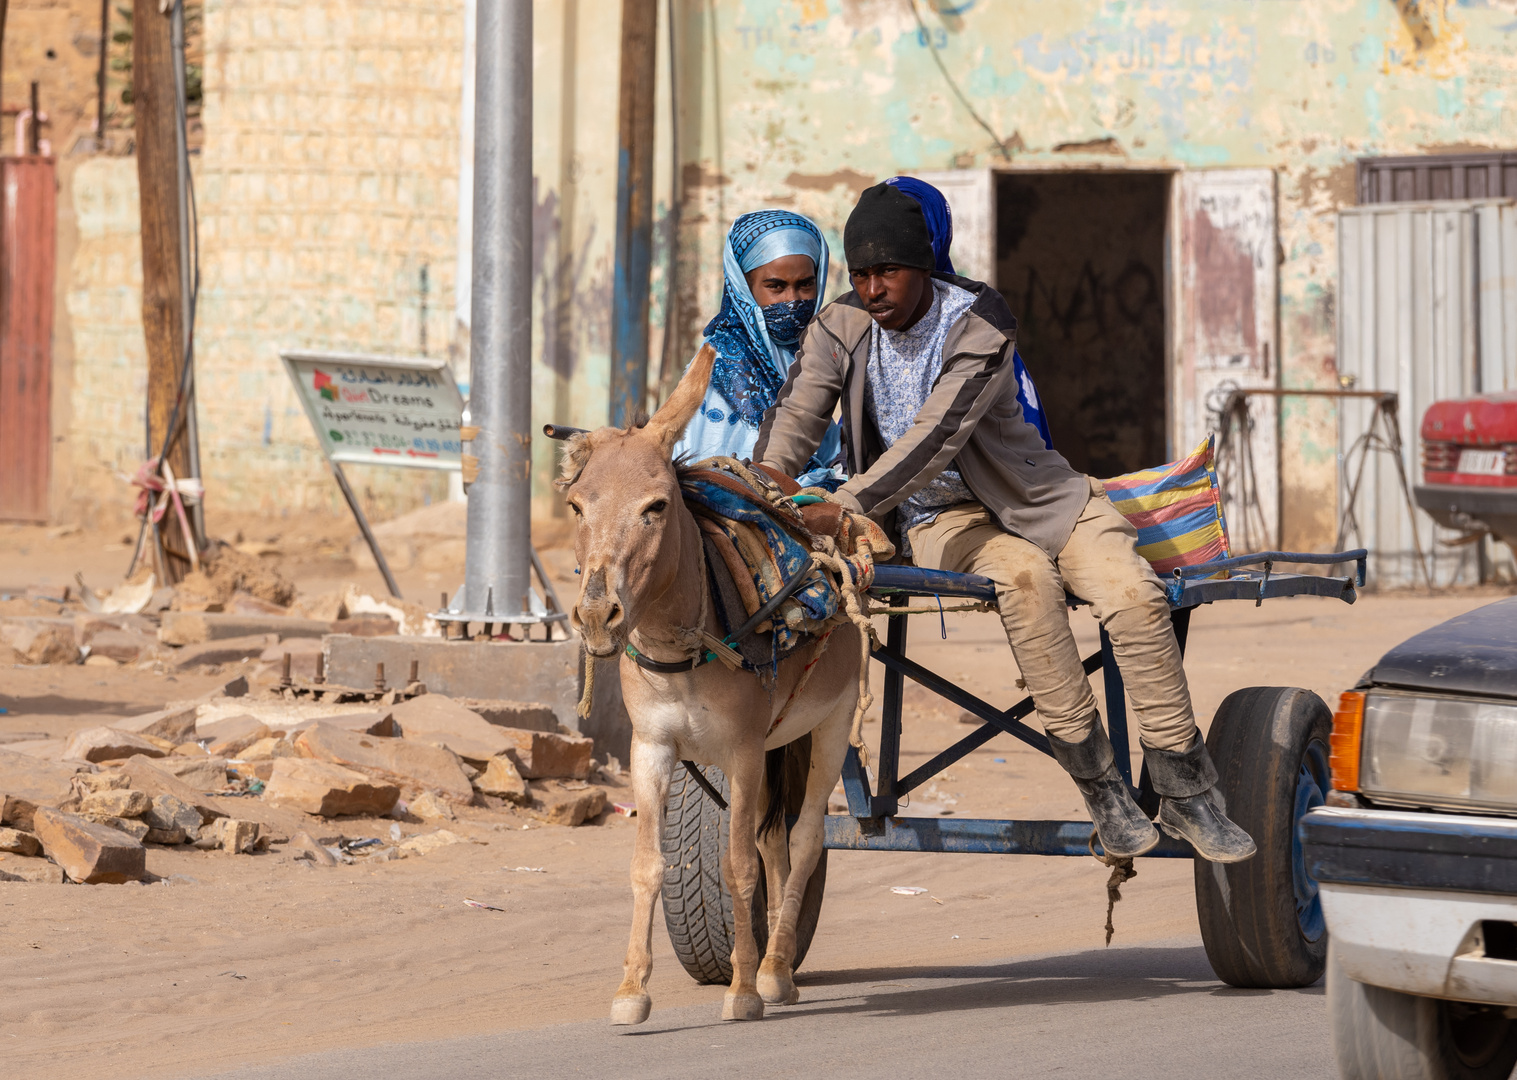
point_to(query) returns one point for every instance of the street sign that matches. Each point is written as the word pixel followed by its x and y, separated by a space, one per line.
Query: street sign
pixel 380 410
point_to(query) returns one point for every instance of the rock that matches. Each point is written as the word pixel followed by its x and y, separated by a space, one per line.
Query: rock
pixel 39 641
pixel 228 651
pixel 123 646
pixel 429 807
pixel 366 723
pixel 117 803
pixel 430 842
pixel 50 749
pixel 304 844
pixel 16 842
pixel 437 719
pixel 501 779
pixel 27 782
pixel 89 853
pixel 36 871
pixel 188 750
pixel 170 814
pixel 106 780
pixel 229 737
pixel 100 661
pixel 560 804
pixel 265 749
pixel 175 723
pixel 327 789
pixel 526 715
pixel 411 765
pixel 197 627
pixel 203 773
pixel 236 688
pixel 545 754
pixel 235 837
pixel 131 826
pixel 108 744
pixel 150 777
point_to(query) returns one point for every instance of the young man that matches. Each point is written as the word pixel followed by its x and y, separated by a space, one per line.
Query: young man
pixel 939 451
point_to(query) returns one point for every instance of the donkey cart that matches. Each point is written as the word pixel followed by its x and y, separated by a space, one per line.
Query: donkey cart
pixel 1261 920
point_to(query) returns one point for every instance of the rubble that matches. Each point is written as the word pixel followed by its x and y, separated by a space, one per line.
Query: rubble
pixel 89 853
pixel 137 830
pixel 176 722
pixel 202 773
pixel 428 843
pixel 558 803
pixel 306 847
pixel 414 766
pixel 230 737
pixel 171 820
pixel 27 783
pixel 326 789
pixel 228 651
pixel 501 779
pixel 36 871
pixel 233 836
pixel 225 571
pixel 199 627
pixel 149 776
pixel 429 807
pixel 16 842
pixel 302 652
pixel 548 755
pixel 121 802
pixel 40 640
pixel 109 744
pixel 442 720
pixel 527 715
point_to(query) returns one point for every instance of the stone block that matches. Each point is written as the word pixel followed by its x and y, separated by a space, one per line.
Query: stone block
pixel 168 814
pixel 196 627
pixel 89 853
pixel 365 723
pixel 501 779
pixel 203 773
pixel 527 715
pixel 413 766
pixel 558 804
pixel 223 651
pixel 149 776
pixel 327 789
pixel 40 641
pixel 228 738
pixel 540 755
pixel 123 646
pixel 118 803
pixel 134 828
pixel 28 782
pixel 108 744
pixel 235 837
pixel 267 749
pixel 429 807
pixel 440 720
pixel 16 842
pixel 36 871
pixel 176 722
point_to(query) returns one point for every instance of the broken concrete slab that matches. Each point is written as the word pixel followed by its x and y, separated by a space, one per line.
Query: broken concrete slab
pixel 149 776
pixel 501 779
pixel 437 719
pixel 414 766
pixel 108 744
pixel 197 627
pixel 226 651
pixel 89 853
pixel 541 755
pixel 327 789
pixel 17 842
pixel 559 804
pixel 122 802
pixel 202 773
pixel 175 722
pixel 35 871
pixel 527 715
pixel 27 783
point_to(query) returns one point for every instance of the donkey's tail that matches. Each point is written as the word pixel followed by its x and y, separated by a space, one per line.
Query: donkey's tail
pixel 777 785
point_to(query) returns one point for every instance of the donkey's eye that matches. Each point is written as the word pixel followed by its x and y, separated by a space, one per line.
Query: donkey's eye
pixel 577 511
pixel 658 506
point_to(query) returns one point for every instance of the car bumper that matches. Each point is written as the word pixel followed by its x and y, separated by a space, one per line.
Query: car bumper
pixel 1405 894
pixel 1471 508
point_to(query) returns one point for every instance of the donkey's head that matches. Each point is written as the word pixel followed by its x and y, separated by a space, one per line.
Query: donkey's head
pixel 625 495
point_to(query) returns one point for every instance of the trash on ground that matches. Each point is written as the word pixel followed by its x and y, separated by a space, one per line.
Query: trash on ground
pixel 482 906
pixel 907 890
pixel 624 809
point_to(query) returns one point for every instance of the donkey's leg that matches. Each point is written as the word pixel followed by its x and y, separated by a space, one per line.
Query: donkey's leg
pixel 774 846
pixel 829 744
pixel 746 782
pixel 652 766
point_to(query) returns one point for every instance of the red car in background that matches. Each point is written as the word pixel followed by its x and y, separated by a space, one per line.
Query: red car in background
pixel 1469 465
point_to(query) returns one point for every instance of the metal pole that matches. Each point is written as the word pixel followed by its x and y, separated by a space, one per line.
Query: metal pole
pixel 499 543
pixel 187 271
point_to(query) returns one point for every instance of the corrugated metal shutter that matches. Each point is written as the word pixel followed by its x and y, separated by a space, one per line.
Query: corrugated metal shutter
pixel 1426 178
pixel 28 220
pixel 1428 309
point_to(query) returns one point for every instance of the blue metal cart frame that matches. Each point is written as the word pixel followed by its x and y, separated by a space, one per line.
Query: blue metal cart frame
pixel 872 823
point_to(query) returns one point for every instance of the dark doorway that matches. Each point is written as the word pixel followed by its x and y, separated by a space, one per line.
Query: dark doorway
pixel 1080 259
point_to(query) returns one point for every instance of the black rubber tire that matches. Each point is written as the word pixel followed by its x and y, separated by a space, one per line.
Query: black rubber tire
pixel 697 906
pixel 1381 1034
pixel 1262 739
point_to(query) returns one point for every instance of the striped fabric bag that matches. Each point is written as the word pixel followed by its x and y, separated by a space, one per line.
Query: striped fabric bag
pixel 1177 510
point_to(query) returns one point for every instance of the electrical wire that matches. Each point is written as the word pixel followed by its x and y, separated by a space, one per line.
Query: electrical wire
pixel 953 84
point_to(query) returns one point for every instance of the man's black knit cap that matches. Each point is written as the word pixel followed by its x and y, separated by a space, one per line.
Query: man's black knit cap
pixel 887 226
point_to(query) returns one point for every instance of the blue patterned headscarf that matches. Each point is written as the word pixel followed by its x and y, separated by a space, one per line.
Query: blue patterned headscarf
pixel 751 361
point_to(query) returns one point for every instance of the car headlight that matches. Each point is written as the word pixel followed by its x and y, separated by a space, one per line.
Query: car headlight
pixel 1439 751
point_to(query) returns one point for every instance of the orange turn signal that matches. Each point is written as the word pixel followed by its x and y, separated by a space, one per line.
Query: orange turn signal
pixel 1348 725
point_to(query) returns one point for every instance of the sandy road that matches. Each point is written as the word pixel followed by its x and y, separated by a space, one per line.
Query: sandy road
pixel 252 961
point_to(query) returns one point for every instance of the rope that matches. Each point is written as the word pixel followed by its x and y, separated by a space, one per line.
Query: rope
pixel 976 605
pixel 588 697
pixel 1122 871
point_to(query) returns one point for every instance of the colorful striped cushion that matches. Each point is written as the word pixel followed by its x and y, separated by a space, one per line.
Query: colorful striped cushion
pixel 1177 510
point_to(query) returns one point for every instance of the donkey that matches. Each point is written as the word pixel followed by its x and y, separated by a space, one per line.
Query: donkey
pixel 643 583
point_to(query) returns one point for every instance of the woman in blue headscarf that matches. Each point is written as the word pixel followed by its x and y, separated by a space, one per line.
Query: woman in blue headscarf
pixel 940 229
pixel 774 268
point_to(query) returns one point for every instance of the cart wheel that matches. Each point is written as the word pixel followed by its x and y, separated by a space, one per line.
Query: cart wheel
pixel 1261 920
pixel 697 906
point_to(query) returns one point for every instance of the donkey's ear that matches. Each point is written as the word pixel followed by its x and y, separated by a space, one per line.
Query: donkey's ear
pixel 669 423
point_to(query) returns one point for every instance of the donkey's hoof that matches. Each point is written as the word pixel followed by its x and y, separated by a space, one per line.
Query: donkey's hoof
pixel 776 987
pixel 631 1009
pixel 742 1007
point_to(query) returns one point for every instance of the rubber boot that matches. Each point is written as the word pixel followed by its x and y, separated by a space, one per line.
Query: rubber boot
pixel 1191 807
pixel 1125 831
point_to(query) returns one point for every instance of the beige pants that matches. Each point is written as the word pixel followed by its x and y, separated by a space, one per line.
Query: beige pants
pixel 1100 564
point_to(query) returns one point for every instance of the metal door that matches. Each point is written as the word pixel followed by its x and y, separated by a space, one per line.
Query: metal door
pixel 28 223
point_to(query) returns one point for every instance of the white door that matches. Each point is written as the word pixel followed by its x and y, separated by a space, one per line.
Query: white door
pixel 1223 337
pixel 971 199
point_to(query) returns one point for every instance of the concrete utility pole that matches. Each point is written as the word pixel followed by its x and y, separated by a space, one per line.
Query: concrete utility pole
pixel 154 104
pixel 499 544
pixel 634 210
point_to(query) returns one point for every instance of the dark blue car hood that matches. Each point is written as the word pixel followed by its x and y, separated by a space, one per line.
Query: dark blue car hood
pixel 1474 653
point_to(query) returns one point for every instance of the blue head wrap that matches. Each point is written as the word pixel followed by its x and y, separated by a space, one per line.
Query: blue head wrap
pixel 935 210
pixel 756 345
